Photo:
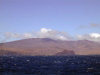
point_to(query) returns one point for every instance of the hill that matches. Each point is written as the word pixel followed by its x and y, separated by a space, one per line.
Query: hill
pixel 46 46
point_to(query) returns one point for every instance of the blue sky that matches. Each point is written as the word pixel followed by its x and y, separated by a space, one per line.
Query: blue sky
pixel 71 16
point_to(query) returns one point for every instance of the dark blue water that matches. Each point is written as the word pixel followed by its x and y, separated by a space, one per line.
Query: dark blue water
pixel 50 65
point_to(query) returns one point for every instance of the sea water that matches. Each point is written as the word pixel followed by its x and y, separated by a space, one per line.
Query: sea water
pixel 50 65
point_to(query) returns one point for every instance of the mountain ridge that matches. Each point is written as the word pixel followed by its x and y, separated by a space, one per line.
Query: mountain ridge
pixel 46 46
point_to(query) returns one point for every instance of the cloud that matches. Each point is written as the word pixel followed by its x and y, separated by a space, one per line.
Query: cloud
pixel 27 35
pixel 92 25
pixel 11 35
pixel 91 37
pixel 42 33
pixel 53 34
pixel 16 35
pixel 95 35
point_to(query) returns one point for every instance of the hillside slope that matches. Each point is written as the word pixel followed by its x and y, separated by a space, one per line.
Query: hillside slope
pixel 45 46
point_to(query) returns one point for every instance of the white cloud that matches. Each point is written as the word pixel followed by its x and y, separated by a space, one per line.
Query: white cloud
pixel 91 37
pixel 53 34
pixel 62 38
pixel 95 35
pixel 10 35
pixel 42 33
pixel 45 30
pixel 27 35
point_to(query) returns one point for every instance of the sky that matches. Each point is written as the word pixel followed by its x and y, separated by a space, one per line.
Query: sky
pixel 56 19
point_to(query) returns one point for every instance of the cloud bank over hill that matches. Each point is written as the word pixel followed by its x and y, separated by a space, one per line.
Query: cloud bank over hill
pixel 42 33
pixel 91 37
pixel 52 34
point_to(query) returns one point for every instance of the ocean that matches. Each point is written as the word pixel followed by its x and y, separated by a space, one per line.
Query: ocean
pixel 50 65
